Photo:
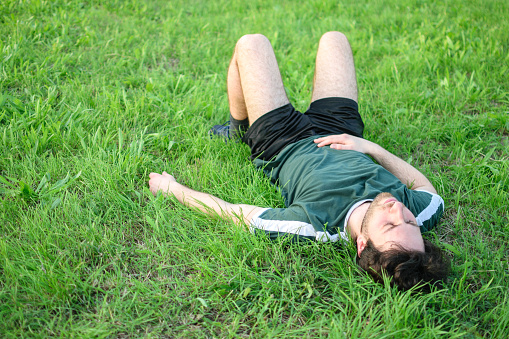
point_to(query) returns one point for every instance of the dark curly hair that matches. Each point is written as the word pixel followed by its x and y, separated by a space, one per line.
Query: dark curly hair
pixel 407 268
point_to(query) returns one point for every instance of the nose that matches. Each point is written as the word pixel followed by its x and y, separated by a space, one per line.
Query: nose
pixel 397 212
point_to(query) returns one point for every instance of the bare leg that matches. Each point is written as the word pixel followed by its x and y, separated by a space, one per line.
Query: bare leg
pixel 335 70
pixel 238 109
pixel 254 81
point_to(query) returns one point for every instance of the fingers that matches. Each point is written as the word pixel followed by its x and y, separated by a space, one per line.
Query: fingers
pixel 323 141
pixel 154 182
pixel 155 175
pixel 331 139
pixel 153 186
pixel 160 182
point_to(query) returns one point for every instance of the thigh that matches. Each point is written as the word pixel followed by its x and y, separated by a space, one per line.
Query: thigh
pixel 260 79
pixel 334 70
pixel 335 116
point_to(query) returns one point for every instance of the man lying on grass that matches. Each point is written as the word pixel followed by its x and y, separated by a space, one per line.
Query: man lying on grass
pixel 331 187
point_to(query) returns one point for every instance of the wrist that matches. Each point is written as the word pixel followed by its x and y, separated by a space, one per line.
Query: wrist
pixel 372 149
pixel 172 188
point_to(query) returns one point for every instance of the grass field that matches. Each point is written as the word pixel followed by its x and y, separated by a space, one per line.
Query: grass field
pixel 94 95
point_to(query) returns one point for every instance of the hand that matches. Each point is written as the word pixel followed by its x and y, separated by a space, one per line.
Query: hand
pixel 160 182
pixel 345 142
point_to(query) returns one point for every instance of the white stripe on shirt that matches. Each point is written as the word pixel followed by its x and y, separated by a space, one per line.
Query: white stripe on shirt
pixel 292 227
pixel 431 209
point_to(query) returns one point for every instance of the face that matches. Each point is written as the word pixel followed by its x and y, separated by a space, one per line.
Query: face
pixel 388 223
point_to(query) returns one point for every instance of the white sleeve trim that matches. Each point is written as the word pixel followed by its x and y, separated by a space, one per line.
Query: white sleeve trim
pixel 293 227
pixel 428 212
pixel 257 214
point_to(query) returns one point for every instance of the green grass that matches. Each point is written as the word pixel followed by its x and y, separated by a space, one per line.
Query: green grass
pixel 94 95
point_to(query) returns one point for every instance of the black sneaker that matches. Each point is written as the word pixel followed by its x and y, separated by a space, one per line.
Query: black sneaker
pixel 222 131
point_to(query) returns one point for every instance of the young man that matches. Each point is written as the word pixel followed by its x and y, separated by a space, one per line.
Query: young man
pixel 332 188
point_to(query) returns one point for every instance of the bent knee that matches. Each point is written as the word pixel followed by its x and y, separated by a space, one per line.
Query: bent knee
pixel 252 41
pixel 333 37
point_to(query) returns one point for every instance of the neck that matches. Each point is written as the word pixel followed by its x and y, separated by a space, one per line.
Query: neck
pixel 354 223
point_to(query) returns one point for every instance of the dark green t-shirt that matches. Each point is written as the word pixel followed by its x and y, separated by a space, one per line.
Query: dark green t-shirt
pixel 321 186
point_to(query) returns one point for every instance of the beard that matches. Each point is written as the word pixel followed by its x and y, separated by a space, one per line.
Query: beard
pixel 372 209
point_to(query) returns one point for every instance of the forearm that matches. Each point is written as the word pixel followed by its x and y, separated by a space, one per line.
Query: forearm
pixel 211 205
pixel 405 172
pixel 204 202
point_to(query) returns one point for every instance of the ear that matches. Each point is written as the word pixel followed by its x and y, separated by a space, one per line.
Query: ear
pixel 362 242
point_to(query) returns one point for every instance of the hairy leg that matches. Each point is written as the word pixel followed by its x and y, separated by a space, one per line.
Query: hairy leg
pixel 335 70
pixel 238 109
pixel 254 81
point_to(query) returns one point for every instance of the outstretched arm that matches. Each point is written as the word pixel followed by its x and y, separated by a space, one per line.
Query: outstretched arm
pixel 204 202
pixel 405 172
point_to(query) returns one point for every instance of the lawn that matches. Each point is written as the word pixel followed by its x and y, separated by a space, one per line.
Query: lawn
pixel 95 95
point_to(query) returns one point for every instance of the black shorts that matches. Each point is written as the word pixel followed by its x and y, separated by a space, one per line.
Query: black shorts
pixel 271 132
